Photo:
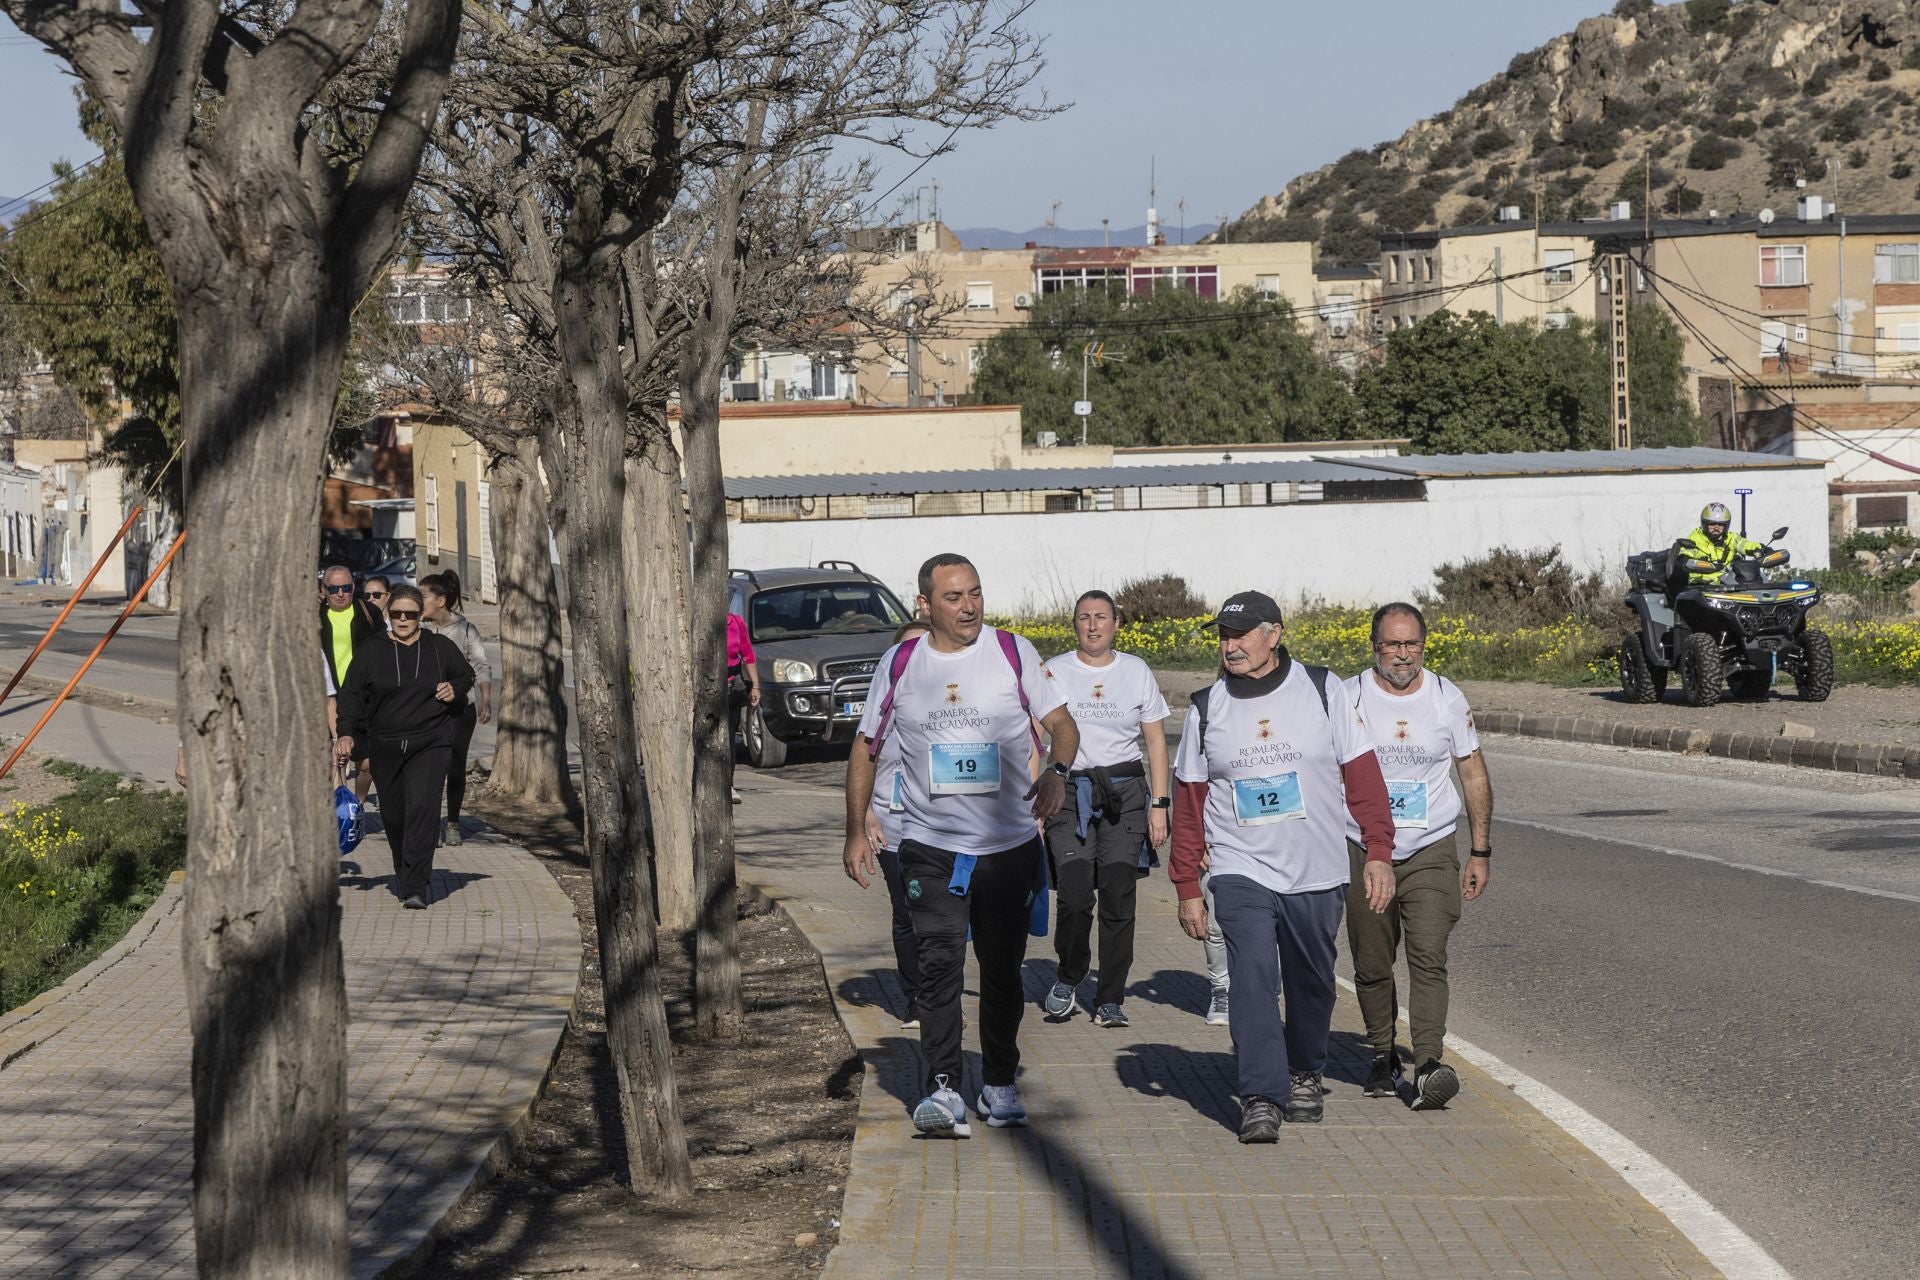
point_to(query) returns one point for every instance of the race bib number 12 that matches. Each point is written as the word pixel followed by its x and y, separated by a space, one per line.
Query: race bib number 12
pixel 1259 801
pixel 963 768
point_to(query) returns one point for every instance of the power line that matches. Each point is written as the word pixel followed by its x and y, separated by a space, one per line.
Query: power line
pixel 75 172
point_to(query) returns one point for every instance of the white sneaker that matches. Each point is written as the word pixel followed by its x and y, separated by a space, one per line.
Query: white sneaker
pixel 941 1114
pixel 1217 1009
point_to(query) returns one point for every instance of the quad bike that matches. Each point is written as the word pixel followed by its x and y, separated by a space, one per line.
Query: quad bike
pixel 1736 635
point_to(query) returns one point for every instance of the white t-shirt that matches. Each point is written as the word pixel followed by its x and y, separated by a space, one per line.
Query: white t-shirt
pixel 965 746
pixel 1276 804
pixel 1417 736
pixel 1109 704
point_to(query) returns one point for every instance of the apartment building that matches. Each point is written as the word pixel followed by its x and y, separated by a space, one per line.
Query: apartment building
pixel 955 299
pixel 1512 270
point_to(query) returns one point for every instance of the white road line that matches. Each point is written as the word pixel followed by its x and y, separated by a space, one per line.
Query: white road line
pixel 1736 1254
pixel 1697 856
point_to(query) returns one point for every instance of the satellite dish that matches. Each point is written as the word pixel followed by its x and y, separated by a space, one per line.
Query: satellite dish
pixel 1766 217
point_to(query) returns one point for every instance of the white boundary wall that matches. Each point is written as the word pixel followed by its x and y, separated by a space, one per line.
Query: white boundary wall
pixel 1347 553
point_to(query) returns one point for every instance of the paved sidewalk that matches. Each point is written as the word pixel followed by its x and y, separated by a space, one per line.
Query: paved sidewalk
pixel 1132 1168
pixel 455 1014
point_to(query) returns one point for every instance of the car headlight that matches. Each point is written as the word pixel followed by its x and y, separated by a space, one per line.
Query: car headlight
pixel 791 671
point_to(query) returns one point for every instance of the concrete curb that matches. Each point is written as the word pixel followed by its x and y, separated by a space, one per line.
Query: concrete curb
pixel 1879 759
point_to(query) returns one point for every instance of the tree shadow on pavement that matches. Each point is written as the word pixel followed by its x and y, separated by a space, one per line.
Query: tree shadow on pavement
pixel 1176 988
pixel 1201 1078
pixel 443 885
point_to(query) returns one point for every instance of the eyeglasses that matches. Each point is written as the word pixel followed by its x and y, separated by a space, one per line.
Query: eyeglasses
pixel 1401 646
pixel 376 595
pixel 335 588
pixel 403 615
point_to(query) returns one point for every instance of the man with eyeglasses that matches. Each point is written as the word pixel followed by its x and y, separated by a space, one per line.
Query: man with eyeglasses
pixel 1422 730
pixel 345 625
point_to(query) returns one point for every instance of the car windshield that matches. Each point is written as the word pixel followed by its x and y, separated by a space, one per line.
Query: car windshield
pixel 829 608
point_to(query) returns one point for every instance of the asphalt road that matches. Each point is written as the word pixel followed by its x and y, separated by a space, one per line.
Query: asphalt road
pixel 1742 1005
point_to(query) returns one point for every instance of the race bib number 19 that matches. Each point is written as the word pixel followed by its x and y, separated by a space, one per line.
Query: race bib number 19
pixel 1409 803
pixel 1258 801
pixel 963 768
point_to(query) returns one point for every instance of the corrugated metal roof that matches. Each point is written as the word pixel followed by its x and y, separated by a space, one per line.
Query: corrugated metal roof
pixel 1022 479
pixel 1573 462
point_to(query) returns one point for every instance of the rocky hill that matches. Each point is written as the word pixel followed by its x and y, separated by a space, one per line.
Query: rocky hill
pixel 1729 102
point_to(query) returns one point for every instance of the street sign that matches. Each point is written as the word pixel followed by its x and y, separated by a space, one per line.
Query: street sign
pixel 1083 408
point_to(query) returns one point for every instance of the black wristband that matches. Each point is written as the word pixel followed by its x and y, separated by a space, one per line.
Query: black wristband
pixel 1479 853
pixel 1162 802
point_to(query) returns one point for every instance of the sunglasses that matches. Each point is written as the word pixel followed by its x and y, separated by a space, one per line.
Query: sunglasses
pixel 376 595
pixel 334 589
pixel 403 615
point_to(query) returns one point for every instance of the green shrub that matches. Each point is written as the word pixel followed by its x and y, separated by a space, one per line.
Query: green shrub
pixel 76 873
pixel 1515 587
pixel 1711 151
pixel 1910 60
pixel 1704 15
pixel 1157 599
pixel 1878 70
pixel 1901 170
pixel 1680 201
pixel 1492 140
pixel 1773 119
pixel 1739 127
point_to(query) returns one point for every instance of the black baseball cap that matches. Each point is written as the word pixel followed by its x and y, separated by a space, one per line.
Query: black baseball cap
pixel 1247 610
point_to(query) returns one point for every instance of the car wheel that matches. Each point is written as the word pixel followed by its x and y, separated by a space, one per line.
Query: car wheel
pixel 765 750
pixel 1815 680
pixel 1700 670
pixel 1636 673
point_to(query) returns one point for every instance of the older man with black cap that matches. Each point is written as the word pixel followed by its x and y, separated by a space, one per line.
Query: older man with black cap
pixel 1273 758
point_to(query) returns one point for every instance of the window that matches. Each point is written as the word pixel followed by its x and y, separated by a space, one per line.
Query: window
pixel 1393 268
pixel 1783 264
pixel 1559 319
pixel 1559 264
pixel 776 508
pixel 1773 339
pixel 883 505
pixel 1338 312
pixel 837 608
pixel 1426 265
pixel 433 516
pixel 896 365
pixel 826 381
pixel 1267 286
pixel 1204 281
pixel 1055 279
pixel 427 302
pixel 979 295
pixel 1896 264
pixel 1908 339
pixel 1885 511
pixel 899 298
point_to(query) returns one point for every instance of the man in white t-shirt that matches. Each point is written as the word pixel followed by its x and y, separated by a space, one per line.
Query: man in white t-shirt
pixel 1421 728
pixel 1273 758
pixel 960 704
pixel 1117 804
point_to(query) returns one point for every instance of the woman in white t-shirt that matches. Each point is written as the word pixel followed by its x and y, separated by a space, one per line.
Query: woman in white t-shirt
pixel 1116 810
pixel 883 833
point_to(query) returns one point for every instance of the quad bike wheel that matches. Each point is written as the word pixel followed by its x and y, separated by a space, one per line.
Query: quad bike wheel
pixel 1700 670
pixel 1639 681
pixel 1815 680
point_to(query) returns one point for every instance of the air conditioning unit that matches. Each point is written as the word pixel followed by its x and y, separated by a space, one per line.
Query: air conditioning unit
pixel 1508 213
pixel 1620 211
pixel 1022 301
pixel 1045 439
pixel 1813 209
pixel 1379 323
pixel 746 391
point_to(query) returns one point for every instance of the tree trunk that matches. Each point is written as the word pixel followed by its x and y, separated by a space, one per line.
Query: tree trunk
pixel 656 563
pixel 260 363
pixel 718 1004
pixel 530 751
pixel 586 451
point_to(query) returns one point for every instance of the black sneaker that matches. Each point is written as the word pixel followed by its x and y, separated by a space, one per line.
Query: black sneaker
pixel 1380 1076
pixel 1259 1120
pixel 910 1021
pixel 1304 1105
pixel 1109 1015
pixel 1434 1085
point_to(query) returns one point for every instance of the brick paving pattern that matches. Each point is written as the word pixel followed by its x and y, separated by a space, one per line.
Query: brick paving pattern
pixel 455 1013
pixel 1131 1167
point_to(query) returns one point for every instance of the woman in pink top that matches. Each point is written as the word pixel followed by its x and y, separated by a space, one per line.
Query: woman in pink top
pixel 741 663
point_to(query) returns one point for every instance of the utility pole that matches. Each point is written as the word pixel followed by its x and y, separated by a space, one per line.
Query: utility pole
pixel 1106 241
pixel 1499 289
pixel 913 353
pixel 1053 223
pixel 1621 405
pixel 1181 205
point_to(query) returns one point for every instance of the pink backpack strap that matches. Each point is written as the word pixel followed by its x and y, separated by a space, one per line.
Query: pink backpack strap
pixel 902 654
pixel 1012 651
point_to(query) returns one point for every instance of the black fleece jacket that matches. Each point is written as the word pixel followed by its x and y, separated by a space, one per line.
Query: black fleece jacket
pixel 388 696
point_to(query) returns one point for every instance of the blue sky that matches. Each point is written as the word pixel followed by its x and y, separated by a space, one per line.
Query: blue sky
pixel 1233 98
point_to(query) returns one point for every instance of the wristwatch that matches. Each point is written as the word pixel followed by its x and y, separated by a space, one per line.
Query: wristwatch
pixel 1163 802
pixel 1061 769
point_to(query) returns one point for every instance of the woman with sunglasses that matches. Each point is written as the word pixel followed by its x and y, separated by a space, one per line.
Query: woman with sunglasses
pixel 401 701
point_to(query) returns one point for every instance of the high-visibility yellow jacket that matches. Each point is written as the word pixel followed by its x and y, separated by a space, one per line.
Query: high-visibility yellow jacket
pixel 1698 546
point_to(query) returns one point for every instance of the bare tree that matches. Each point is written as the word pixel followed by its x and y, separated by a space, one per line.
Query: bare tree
pixel 841 69
pixel 270 228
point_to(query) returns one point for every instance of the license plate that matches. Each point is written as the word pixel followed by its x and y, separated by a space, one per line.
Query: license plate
pixel 853 708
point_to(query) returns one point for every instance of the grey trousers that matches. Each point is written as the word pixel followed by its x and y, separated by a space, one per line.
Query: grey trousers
pixel 1425 907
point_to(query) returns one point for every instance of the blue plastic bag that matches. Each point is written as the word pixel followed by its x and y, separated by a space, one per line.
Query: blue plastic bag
pixel 346 808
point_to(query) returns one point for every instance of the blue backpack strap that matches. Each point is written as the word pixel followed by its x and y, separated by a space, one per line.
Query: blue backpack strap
pixel 902 654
